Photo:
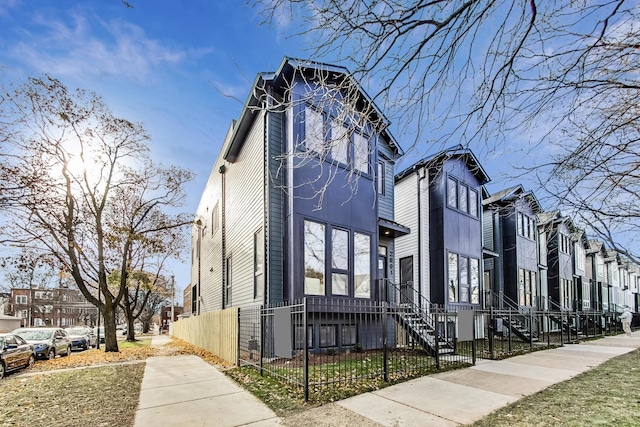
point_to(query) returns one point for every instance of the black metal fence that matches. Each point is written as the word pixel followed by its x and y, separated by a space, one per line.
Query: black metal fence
pixel 336 347
pixel 319 345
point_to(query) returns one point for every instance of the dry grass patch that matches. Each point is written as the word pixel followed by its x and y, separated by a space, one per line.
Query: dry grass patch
pixel 608 395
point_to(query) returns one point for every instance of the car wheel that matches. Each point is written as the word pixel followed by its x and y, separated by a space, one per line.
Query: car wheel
pixel 86 346
pixel 2 370
pixel 32 360
pixel 51 354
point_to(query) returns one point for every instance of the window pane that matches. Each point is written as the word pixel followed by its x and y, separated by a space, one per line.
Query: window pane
pixel 464 279
pixel 339 142
pixel 340 249
pixel 314 130
pixel 381 177
pixel 520 219
pixel 453 277
pixel 360 153
pixel 314 260
pixel 475 281
pixel 328 336
pixel 349 336
pixel 463 198
pixel 473 202
pixel 452 193
pixel 362 266
pixel 339 284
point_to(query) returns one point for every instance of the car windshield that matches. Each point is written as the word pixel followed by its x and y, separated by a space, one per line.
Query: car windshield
pixel 77 331
pixel 1 342
pixel 35 335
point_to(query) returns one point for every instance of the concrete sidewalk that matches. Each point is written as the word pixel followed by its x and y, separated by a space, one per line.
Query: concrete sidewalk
pixel 463 396
pixel 185 390
pixel 179 390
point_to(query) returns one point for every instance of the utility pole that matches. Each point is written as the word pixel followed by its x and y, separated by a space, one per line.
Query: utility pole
pixel 173 294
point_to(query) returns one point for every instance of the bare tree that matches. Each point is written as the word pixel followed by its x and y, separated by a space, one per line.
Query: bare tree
pixel 555 78
pixel 66 161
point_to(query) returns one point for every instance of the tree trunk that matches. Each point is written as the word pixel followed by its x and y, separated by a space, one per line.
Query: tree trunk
pixel 110 338
pixel 131 333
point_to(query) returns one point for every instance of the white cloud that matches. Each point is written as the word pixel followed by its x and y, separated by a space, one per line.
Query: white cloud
pixel 82 47
pixel 7 5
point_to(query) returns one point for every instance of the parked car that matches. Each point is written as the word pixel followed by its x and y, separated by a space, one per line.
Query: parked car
pixel 47 342
pixel 82 337
pixel 15 353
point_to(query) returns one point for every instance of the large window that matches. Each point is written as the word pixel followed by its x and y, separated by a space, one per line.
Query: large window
pixel 464 279
pixel 462 197
pixel 526 287
pixel 21 299
pixel 566 293
pixel 328 335
pixel 258 264
pixel 333 137
pixel 339 262
pixel 314 258
pixel 362 265
pixel 580 256
pixel 349 271
pixel 526 226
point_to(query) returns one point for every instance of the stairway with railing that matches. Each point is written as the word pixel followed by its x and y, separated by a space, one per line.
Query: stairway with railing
pixel 565 319
pixel 419 319
pixel 517 321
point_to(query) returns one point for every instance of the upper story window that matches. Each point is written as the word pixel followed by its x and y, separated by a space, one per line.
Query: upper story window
pixel 381 178
pixel 21 299
pixel 564 243
pixel 462 197
pixel 526 226
pixel 332 137
pixel 580 256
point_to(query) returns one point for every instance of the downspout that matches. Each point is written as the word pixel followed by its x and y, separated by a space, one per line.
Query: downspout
pixel 420 176
pixel 267 204
pixel 223 231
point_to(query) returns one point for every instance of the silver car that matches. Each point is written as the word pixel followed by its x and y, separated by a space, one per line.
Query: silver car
pixel 47 342
pixel 82 337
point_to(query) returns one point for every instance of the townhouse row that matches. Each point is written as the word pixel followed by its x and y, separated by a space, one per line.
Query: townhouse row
pixel 304 200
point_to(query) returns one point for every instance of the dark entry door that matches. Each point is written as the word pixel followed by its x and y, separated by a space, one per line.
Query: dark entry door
pixel 406 280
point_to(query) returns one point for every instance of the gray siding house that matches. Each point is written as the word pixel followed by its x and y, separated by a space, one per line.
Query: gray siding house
pixel 300 201
pixel 511 231
pixel 439 198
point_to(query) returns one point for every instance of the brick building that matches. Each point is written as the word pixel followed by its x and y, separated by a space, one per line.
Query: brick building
pixel 51 307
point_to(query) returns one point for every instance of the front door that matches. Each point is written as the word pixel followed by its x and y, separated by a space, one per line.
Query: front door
pixel 383 273
pixel 406 280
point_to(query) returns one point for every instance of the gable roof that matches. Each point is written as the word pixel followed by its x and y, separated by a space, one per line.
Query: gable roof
pixel 457 151
pixel 279 79
pixel 511 194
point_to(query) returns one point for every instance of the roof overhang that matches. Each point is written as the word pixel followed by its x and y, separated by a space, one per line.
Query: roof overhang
pixel 391 229
pixel 488 253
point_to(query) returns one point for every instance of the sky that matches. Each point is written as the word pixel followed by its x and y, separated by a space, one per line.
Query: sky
pixel 183 68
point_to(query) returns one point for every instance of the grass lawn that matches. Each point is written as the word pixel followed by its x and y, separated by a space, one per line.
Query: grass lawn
pixel 105 396
pixel 608 395
pixel 144 342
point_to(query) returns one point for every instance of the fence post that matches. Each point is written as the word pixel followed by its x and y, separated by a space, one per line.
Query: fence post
pixel 306 350
pixel 561 328
pixel 238 339
pixel 473 343
pixel 436 338
pixel 262 335
pixel 385 354
pixel 509 317
pixel 492 332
